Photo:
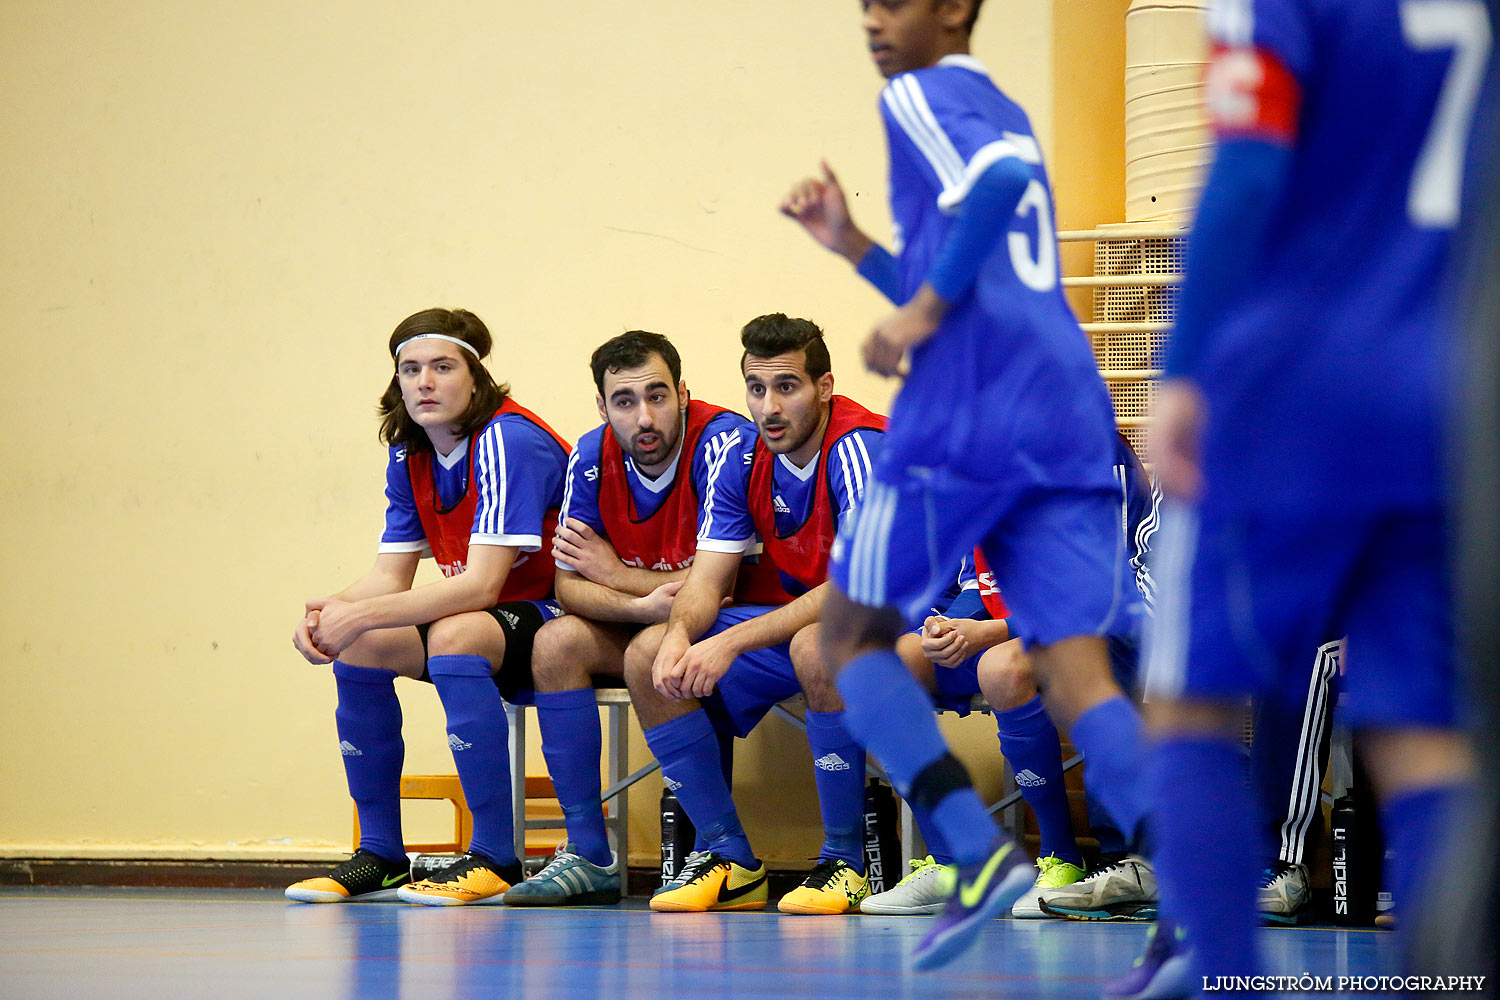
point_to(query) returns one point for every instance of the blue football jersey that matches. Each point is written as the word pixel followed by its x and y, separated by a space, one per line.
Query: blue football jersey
pixel 1011 347
pixel 725 523
pixel 1325 372
pixel 581 499
pixel 518 470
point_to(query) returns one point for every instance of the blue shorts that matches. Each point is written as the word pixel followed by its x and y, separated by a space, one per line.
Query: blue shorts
pixel 755 682
pixel 957 686
pixel 1242 598
pixel 1058 553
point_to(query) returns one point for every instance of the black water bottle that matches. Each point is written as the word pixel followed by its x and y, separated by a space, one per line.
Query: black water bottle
pixel 677 836
pixel 1356 863
pixel 882 837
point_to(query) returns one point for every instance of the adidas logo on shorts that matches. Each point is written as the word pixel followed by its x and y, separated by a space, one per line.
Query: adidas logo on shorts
pixel 514 619
pixel 456 743
pixel 832 762
pixel 671 785
pixel 349 749
pixel 1029 779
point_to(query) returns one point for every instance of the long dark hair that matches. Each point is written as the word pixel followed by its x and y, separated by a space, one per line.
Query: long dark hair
pixel 396 425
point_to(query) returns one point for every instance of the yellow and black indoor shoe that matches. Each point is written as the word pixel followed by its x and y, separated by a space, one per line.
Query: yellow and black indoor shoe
pixel 366 877
pixel 471 879
pixel 710 881
pixel 831 887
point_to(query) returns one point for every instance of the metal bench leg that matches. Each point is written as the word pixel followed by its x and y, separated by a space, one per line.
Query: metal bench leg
pixel 516 716
pixel 619 806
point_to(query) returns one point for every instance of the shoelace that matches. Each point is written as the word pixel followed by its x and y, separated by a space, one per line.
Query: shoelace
pixel 458 871
pixel 918 866
pixel 558 862
pixel 1051 861
pixel 696 864
pixel 823 872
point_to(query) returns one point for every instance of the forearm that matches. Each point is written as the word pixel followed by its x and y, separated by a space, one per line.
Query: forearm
pixel 418 606
pixel 778 626
pixel 987 634
pixel 602 604
pixel 634 581
pixel 376 583
pixel 695 608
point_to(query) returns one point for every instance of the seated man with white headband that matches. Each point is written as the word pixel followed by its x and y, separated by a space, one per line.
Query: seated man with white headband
pixel 476 481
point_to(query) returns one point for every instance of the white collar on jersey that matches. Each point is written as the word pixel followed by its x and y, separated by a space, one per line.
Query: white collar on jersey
pixel 459 452
pixel 964 61
pixel 661 482
pixel 801 473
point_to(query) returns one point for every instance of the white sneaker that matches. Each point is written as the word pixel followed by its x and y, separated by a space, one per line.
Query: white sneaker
pixel 1124 891
pixel 1055 873
pixel 1284 894
pixel 919 894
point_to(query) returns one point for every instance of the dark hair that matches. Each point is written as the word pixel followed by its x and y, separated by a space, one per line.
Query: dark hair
pixel 396 425
pixel 776 333
pixel 631 350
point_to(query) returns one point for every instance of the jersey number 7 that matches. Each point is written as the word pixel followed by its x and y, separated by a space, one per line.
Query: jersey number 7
pixel 1432 200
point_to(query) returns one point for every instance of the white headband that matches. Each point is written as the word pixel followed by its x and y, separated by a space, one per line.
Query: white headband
pixel 437 336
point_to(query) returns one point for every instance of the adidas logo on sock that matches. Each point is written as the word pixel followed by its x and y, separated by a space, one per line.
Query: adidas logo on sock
pixel 456 743
pixel 1028 779
pixel 349 749
pixel 832 762
pixel 671 785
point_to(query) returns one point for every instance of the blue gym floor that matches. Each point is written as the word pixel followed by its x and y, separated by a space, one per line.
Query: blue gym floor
pixel 72 943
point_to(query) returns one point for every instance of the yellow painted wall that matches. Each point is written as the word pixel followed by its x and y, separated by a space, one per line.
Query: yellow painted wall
pixel 214 213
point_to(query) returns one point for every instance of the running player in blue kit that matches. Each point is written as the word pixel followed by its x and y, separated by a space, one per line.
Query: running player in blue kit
pixel 1303 412
pixel 474 479
pixel 1002 436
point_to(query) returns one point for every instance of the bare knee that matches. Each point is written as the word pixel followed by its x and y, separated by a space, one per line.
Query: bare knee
pixel 558 654
pixel 1411 759
pixel 1192 718
pixel 398 649
pixel 813 674
pixel 1073 676
pixel 1005 676
pixel 473 633
pixel 640 655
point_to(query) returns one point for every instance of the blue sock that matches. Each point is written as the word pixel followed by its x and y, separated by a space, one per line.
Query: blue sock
pixel 572 744
pixel 1030 742
pixel 1208 850
pixel 689 755
pixel 368 720
pixel 725 739
pixel 889 713
pixel 839 771
pixel 479 736
pixel 1413 823
pixel 936 845
pixel 1109 737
